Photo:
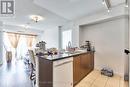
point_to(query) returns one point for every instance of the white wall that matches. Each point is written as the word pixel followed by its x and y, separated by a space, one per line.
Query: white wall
pixel 109 41
pixel 1 47
pixel 51 37
pixel 96 17
pixel 1 43
pixel 103 16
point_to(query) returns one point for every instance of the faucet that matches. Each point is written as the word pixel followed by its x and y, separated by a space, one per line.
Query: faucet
pixel 69 45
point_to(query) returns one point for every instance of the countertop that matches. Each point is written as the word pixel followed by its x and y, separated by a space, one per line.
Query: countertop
pixel 62 56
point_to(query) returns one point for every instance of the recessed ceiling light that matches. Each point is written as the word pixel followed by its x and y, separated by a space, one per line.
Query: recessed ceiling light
pixel 36 18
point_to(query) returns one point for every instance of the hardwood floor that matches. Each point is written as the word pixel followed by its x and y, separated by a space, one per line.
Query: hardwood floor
pixel 95 79
pixel 14 75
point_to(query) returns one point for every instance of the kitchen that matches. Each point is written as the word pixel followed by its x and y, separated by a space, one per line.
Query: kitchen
pixel 108 33
pixel 102 58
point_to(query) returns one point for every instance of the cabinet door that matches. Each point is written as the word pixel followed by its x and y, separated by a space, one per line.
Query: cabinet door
pixel 82 65
pixel 76 70
pixel 85 64
pixel 92 61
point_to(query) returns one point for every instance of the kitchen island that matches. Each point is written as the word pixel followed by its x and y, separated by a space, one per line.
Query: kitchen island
pixel 64 70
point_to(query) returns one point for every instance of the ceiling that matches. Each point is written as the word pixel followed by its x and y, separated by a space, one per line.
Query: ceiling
pixel 73 9
pixel 55 12
pixel 25 8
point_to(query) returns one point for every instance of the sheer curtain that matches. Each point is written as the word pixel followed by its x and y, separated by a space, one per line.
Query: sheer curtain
pixel 14 40
pixel 22 47
pixel 26 42
pixel 30 41
pixel 18 44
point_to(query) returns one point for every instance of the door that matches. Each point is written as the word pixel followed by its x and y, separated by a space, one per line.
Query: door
pixel 129 38
pixel 127 46
pixel 127 43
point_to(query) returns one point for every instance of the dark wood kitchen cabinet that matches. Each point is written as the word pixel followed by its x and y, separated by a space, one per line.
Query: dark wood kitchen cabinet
pixel 51 71
pixel 76 69
pixel 92 60
pixel 85 64
pixel 82 65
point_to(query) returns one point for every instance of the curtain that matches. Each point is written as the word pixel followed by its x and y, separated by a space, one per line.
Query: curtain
pixel 14 40
pixel 30 41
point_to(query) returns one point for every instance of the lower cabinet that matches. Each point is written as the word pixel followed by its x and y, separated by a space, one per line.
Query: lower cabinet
pixel 57 73
pixel 63 73
pixel 76 69
pixel 82 65
pixel 92 60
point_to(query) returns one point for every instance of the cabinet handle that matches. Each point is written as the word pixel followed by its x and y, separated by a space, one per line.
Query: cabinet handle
pixel 63 63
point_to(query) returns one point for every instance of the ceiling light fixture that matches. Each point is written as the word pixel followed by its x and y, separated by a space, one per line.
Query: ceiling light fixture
pixel 36 18
pixel 107 4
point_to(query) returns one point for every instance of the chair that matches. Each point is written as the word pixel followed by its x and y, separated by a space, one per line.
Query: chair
pixel 26 60
pixel 33 66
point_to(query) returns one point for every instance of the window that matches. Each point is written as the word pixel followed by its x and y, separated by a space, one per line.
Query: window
pixel 66 37
pixel 22 47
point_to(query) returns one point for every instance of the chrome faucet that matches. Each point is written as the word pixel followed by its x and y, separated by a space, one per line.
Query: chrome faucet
pixel 69 45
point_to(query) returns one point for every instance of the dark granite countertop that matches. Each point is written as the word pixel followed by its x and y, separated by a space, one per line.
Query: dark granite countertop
pixel 61 56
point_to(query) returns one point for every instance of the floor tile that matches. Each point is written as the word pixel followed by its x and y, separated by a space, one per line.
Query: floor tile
pixel 95 79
